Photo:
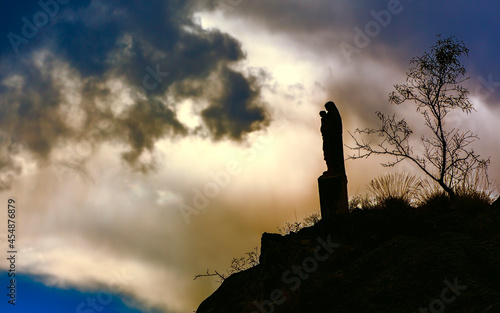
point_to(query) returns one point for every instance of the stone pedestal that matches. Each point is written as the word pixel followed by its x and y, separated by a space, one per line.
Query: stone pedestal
pixel 332 195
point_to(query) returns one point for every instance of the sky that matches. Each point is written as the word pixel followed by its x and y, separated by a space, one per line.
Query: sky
pixel 146 141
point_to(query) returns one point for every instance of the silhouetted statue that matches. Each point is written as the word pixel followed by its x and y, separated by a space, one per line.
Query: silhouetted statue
pixel 333 183
pixel 333 148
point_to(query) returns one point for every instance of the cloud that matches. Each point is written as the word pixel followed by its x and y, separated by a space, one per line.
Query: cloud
pixel 392 31
pixel 158 56
pixel 234 112
pixel 145 123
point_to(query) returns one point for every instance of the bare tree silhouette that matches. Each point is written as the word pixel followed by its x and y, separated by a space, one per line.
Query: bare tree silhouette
pixel 433 83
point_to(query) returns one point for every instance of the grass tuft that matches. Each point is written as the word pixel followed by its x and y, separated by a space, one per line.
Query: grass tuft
pixel 402 187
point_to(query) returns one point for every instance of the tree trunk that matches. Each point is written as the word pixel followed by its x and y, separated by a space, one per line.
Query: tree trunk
pixel 448 190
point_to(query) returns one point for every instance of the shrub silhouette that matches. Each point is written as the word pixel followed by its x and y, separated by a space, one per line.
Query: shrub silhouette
pixel 294 227
pixel 400 187
pixel 361 202
pixel 250 259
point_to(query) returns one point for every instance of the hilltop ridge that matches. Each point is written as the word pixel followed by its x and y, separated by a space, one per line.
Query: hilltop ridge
pixel 444 258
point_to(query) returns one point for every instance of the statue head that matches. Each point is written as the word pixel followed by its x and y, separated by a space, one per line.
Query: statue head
pixel 330 106
pixel 322 113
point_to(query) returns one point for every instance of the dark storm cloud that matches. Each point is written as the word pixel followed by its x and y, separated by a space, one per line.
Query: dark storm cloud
pixel 29 118
pixel 234 111
pixel 153 46
pixel 29 114
pixel 145 123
